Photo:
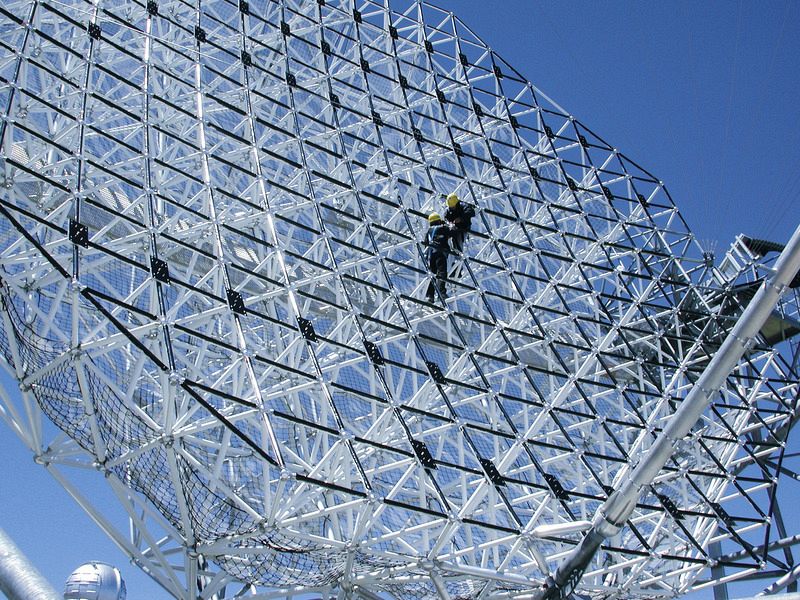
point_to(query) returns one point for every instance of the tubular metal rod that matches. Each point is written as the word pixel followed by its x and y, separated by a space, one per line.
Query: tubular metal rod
pixel 718 572
pixel 19 579
pixel 783 582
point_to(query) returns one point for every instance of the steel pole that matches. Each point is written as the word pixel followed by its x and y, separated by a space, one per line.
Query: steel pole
pixel 19 579
pixel 615 511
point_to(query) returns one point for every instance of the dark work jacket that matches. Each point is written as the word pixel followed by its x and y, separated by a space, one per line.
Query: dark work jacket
pixel 437 239
pixel 460 216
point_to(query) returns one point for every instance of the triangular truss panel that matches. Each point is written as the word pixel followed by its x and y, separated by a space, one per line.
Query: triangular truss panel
pixel 213 287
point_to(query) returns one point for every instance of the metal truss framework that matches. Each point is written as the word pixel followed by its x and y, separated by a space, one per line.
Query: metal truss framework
pixel 212 280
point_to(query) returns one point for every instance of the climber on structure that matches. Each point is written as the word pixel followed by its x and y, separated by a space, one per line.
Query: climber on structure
pixel 459 218
pixel 438 248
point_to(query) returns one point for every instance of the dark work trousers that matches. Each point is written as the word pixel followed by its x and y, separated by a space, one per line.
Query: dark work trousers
pixel 437 266
pixel 457 241
pixel 458 237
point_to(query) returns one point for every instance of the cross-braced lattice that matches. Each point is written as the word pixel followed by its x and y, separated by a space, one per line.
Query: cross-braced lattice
pixel 213 283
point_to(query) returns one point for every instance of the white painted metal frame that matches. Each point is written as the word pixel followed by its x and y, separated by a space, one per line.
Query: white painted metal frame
pixel 238 338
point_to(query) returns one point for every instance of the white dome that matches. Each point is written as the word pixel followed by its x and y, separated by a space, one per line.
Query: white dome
pixel 95 581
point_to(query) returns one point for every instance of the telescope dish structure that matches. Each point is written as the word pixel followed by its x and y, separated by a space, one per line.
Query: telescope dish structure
pixel 213 283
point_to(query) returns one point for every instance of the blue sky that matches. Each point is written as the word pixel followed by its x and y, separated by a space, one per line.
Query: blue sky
pixel 702 94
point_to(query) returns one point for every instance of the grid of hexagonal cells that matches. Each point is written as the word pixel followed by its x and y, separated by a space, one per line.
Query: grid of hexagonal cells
pixel 213 281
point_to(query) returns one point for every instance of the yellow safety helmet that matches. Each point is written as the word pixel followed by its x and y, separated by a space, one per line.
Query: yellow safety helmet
pixel 433 217
pixel 452 200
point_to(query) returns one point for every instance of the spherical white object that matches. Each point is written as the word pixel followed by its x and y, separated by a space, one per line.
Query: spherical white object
pixel 95 581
